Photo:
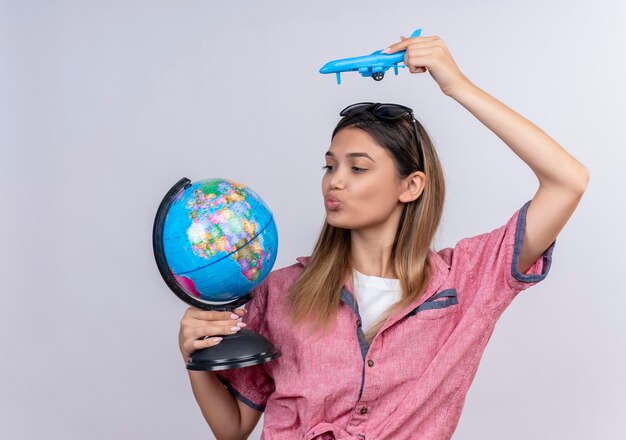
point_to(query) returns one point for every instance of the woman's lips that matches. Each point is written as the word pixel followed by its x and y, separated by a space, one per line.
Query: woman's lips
pixel 332 203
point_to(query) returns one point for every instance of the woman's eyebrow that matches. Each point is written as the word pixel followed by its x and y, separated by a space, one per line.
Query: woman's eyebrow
pixel 357 154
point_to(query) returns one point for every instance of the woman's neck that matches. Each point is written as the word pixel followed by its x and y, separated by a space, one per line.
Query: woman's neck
pixel 371 259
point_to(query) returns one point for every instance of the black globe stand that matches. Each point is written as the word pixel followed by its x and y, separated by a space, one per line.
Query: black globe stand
pixel 234 352
pixel 242 349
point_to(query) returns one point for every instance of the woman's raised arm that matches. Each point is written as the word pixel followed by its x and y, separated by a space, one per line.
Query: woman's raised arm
pixel 562 179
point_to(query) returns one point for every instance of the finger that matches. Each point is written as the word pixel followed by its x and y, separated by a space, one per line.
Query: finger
pixel 402 45
pixel 189 327
pixel 424 51
pixel 196 328
pixel 204 343
pixel 211 315
pixel 415 58
pixel 415 63
pixel 426 48
pixel 417 69
pixel 201 333
pixel 225 330
pixel 202 329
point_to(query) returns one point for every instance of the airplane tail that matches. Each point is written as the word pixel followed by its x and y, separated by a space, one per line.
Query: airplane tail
pixel 417 33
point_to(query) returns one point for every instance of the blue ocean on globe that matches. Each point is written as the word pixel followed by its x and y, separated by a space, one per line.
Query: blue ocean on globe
pixel 220 240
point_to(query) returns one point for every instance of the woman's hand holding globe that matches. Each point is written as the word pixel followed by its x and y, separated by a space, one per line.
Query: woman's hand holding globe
pixel 197 327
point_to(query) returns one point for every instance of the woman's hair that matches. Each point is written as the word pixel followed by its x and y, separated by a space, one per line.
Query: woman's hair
pixel 315 296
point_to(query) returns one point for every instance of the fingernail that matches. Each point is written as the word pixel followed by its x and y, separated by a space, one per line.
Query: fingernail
pixel 233 316
pixel 235 329
pixel 217 339
pixel 241 324
pixel 386 50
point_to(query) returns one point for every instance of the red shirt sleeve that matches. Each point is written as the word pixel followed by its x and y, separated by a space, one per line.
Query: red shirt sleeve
pixel 492 260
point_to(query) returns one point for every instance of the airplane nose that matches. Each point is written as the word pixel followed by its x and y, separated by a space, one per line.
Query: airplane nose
pixel 324 69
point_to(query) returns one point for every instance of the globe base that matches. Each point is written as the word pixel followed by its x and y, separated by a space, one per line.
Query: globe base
pixel 242 349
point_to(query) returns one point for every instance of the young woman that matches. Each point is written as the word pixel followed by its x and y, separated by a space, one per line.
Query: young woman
pixel 403 327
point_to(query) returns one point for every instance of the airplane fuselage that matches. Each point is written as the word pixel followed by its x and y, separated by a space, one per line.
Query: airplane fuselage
pixel 376 59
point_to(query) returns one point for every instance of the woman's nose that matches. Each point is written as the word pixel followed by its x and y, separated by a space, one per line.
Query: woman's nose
pixel 337 179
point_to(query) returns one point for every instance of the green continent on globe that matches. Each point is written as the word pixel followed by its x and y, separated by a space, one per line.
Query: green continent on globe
pixel 221 221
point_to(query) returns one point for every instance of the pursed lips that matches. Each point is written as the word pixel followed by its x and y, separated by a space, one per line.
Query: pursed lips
pixel 332 203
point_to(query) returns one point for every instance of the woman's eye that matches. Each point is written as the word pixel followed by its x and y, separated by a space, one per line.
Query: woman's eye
pixel 329 168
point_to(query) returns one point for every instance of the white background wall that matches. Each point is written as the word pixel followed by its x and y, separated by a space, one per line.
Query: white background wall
pixel 105 105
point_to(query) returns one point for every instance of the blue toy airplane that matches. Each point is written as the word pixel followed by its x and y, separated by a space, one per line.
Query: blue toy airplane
pixel 374 64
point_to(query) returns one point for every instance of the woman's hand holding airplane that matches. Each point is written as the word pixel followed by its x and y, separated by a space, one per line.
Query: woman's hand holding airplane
pixel 430 53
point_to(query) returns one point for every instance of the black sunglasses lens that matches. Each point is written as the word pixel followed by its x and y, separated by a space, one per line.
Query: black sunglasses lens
pixel 356 108
pixel 391 111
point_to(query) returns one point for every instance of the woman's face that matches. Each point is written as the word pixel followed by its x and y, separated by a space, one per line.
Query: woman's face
pixel 361 177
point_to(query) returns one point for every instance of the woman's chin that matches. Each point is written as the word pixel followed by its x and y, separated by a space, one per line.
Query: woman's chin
pixel 332 221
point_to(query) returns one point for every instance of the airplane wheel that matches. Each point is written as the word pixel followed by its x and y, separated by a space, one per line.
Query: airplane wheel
pixel 378 76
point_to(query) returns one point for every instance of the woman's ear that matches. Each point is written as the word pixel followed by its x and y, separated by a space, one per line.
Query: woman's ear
pixel 413 185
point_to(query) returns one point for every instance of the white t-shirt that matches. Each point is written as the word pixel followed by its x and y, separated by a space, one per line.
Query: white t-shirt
pixel 374 295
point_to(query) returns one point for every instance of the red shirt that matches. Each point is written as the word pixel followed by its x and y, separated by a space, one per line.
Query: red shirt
pixel 412 380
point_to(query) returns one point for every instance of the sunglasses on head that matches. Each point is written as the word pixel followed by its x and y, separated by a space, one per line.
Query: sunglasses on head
pixel 387 111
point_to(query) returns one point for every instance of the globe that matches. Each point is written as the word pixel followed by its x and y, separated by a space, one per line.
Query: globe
pixel 214 241
pixel 219 240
